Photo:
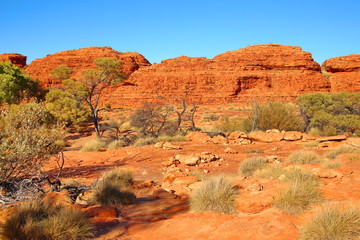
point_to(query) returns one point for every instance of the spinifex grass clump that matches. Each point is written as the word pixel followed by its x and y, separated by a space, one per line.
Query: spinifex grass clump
pixel 342 149
pixel 93 145
pixel 333 223
pixel 113 187
pixel 249 166
pixel 37 219
pixel 215 194
pixel 304 157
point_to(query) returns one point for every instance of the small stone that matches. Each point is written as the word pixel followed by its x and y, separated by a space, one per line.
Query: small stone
pixel 206 171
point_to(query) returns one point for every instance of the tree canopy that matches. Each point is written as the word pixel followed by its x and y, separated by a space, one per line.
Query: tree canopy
pixel 15 85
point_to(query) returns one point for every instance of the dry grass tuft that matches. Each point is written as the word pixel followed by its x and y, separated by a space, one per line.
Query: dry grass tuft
pixel 42 220
pixel 249 166
pixel 93 145
pixel 333 223
pixel 215 194
pixel 342 149
pixel 304 157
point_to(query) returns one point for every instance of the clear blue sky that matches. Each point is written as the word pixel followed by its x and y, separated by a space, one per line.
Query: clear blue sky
pixel 162 29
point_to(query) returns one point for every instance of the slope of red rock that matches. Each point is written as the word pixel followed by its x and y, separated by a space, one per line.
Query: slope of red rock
pixel 79 60
pixel 344 73
pixel 261 72
pixel 15 58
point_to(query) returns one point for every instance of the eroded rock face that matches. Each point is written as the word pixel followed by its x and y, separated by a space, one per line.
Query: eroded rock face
pixel 79 60
pixel 15 58
pixel 261 72
pixel 344 73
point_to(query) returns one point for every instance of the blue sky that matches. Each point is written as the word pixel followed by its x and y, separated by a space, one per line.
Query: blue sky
pixel 162 29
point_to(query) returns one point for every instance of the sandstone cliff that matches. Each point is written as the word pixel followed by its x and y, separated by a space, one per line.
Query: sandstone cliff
pixel 79 60
pixel 261 72
pixel 344 73
pixel 15 58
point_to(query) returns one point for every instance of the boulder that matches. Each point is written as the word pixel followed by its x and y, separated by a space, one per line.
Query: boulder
pixel 198 137
pixel 185 181
pixel 15 58
pixel 266 136
pixel 102 211
pixel 292 136
pixel 237 135
pixel 332 138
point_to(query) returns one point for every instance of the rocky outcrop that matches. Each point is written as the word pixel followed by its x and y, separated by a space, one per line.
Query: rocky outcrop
pixel 15 58
pixel 344 73
pixel 261 72
pixel 79 60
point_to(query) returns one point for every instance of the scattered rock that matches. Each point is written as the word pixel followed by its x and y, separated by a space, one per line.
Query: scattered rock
pixel 171 174
pixel 218 140
pixel 230 150
pixel 170 146
pixel 292 136
pixel 332 138
pixel 161 193
pixel 198 137
pixel 185 181
pixel 102 211
pixel 327 173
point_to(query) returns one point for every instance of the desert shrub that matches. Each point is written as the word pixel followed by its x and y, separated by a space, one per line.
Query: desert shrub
pixel 116 144
pixel 333 223
pixel 65 107
pixel 254 151
pixel 197 174
pixel 273 115
pixel 331 114
pixel 28 136
pixel 298 197
pixel 341 150
pixel 249 166
pixel 215 194
pixel 144 140
pixel 119 177
pixel 93 145
pixel 42 220
pixel 331 165
pixel 15 85
pixel 176 138
pixel 210 118
pixel 304 157
pixel 229 124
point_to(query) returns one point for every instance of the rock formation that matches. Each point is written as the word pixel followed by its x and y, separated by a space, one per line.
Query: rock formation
pixel 344 73
pixel 261 72
pixel 269 72
pixel 79 60
pixel 15 58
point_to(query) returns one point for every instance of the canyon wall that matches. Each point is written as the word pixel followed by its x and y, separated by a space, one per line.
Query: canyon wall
pixel 260 72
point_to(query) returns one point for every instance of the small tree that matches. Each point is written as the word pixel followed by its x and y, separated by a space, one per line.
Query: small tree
pixel 15 85
pixel 28 134
pixel 62 72
pixel 89 88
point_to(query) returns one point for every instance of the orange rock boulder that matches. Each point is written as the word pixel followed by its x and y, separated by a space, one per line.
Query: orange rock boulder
pixel 344 73
pixel 15 58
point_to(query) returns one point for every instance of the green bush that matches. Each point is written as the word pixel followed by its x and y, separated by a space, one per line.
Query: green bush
pixel 28 138
pixel 333 223
pixel 304 157
pixel 215 194
pixel 249 166
pixel 331 114
pixel 210 118
pixel 341 150
pixel 298 197
pixel 43 220
pixel 274 115
pixel 93 145
pixel 229 125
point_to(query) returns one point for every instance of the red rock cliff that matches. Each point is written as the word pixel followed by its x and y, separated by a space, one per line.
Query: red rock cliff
pixel 15 58
pixel 79 60
pixel 344 73
pixel 262 72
